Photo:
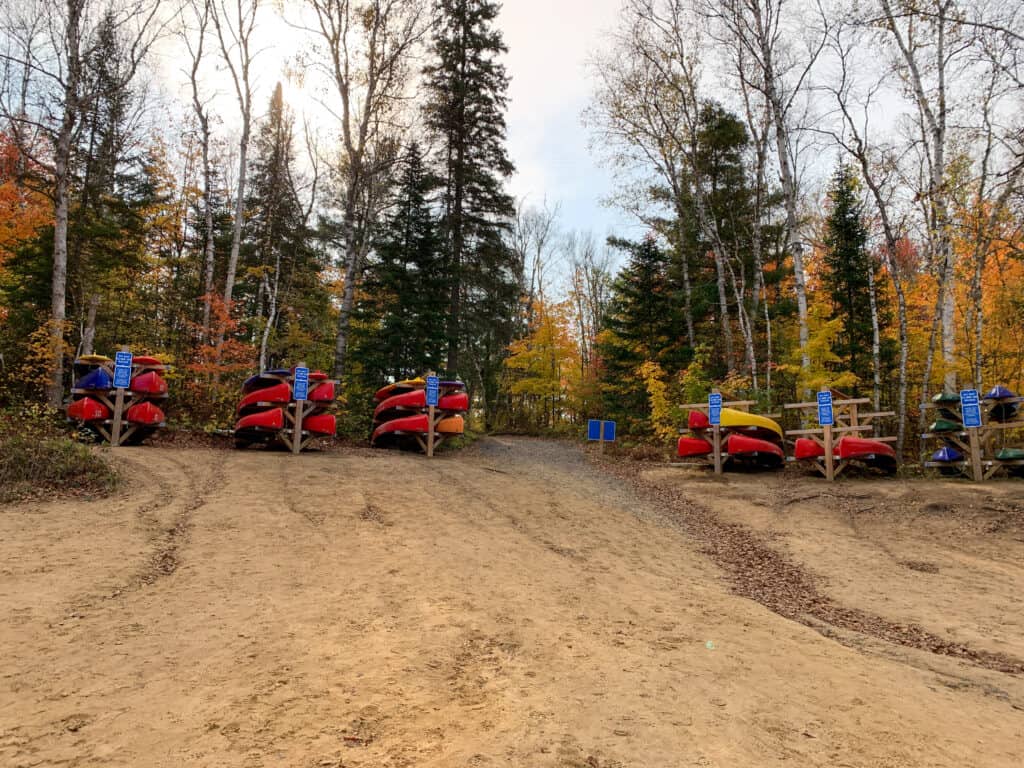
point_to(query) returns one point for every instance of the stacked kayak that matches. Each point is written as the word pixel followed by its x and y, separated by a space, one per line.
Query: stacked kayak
pixel 401 417
pixel 94 399
pixel 268 413
pixel 748 440
pixel 873 453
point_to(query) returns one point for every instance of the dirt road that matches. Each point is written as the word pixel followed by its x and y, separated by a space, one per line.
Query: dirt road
pixel 510 606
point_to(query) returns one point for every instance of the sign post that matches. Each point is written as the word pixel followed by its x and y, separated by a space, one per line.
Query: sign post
pixel 970 411
pixel 300 391
pixel 433 392
pixel 122 381
pixel 826 420
pixel 601 432
pixel 715 418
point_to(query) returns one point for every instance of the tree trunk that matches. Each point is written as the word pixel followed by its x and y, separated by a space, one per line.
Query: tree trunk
pixel 236 230
pixel 352 263
pixel 272 313
pixel 89 332
pixel 208 249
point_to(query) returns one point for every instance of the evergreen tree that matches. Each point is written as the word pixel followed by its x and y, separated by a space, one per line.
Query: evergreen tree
pixel 466 88
pixel 640 327
pixel 401 309
pixel 849 270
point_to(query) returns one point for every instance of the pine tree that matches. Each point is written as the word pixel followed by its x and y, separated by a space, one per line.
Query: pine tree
pixel 849 271
pixel 467 96
pixel 401 310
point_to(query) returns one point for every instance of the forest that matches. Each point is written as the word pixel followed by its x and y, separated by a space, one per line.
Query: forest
pixel 825 193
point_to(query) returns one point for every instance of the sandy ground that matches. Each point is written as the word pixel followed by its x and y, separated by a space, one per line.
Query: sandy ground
pixel 509 606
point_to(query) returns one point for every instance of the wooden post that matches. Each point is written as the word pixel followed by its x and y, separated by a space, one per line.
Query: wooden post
pixel 716 445
pixel 115 433
pixel 830 459
pixel 430 432
pixel 977 472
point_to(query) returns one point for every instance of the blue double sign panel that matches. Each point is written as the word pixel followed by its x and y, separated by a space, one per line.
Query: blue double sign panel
pixel 825 416
pixel 433 391
pixel 300 386
pixel 598 430
pixel 122 370
pixel 970 408
pixel 715 409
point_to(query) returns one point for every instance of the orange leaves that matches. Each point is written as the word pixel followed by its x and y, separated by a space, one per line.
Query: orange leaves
pixel 22 211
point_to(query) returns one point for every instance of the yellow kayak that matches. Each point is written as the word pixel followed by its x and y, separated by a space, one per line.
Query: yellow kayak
pixel 398 387
pixel 93 360
pixel 749 423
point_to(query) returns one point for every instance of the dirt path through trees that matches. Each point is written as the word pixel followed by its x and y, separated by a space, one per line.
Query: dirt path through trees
pixel 511 605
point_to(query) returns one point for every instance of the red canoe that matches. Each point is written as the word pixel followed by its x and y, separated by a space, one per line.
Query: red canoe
pixel 149 383
pixel 322 393
pixel 320 424
pixel 273 418
pixel 698 420
pixel 144 361
pixel 87 409
pixel 693 446
pixel 417 400
pixel 416 424
pixel 145 413
pixel 806 448
pixel 872 452
pixel 278 393
pixel 753 450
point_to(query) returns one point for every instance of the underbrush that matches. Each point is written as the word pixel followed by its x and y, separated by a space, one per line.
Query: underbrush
pixel 38 459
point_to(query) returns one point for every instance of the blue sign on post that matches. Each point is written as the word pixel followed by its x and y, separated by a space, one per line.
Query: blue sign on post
pixel 601 430
pixel 122 370
pixel 970 408
pixel 300 388
pixel 433 391
pixel 825 416
pixel 715 409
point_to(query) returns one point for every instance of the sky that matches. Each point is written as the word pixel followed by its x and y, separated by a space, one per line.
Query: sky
pixel 549 42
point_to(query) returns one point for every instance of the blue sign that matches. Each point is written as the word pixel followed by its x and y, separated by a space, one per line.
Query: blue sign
pixel 715 409
pixel 301 386
pixel 970 408
pixel 825 416
pixel 122 370
pixel 601 430
pixel 433 391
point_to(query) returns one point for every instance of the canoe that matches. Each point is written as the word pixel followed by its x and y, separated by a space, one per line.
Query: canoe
pixel 142 361
pixel 999 392
pixel 399 386
pixel 945 425
pixel 89 360
pixel 149 383
pixel 323 393
pixel 1003 412
pixel 416 400
pixel 693 446
pixel 697 420
pixel 752 450
pixel 264 380
pixel 97 380
pixel 405 425
pixel 452 386
pixel 806 448
pixel 279 393
pixel 946 398
pixel 874 453
pixel 316 376
pixel 453 425
pixel 87 409
pixel 321 424
pixel 750 424
pixel 272 418
pixel 948 454
pixel 145 413
pixel 1010 454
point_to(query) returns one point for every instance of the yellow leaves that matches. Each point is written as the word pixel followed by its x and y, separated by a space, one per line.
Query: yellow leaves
pixel 38 366
pixel 653 377
pixel 822 336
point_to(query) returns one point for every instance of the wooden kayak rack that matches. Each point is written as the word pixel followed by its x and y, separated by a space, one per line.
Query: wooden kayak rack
pixel 978 445
pixel 850 419
pixel 716 458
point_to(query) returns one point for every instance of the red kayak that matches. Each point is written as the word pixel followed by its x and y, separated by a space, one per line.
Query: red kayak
pixel 752 450
pixel 320 424
pixel 322 393
pixel 145 413
pixel 416 400
pixel 145 361
pixel 149 383
pixel 806 448
pixel 87 409
pixel 872 452
pixel 698 420
pixel 272 418
pixel 279 393
pixel 693 446
pixel 405 425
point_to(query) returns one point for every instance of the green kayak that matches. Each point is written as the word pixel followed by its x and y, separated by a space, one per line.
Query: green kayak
pixel 1010 454
pixel 945 425
pixel 946 398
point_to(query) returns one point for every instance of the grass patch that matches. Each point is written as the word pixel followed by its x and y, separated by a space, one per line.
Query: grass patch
pixel 31 467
